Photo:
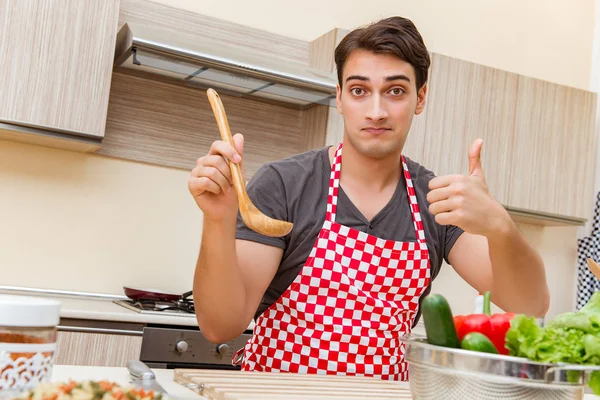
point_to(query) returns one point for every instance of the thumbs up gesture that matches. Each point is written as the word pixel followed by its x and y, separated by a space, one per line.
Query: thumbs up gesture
pixel 465 200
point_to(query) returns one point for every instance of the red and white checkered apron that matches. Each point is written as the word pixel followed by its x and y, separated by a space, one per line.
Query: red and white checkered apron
pixel 353 299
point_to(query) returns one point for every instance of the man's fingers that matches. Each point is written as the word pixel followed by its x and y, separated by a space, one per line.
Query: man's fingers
pixel 219 147
pixel 441 207
pixel 439 194
pixel 214 175
pixel 199 185
pixel 443 181
pixel 219 163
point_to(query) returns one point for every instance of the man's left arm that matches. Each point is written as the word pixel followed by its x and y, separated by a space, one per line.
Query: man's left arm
pixel 492 254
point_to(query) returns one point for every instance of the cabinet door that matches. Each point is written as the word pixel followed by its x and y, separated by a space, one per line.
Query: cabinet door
pixel 98 349
pixel 466 101
pixel 554 149
pixel 56 63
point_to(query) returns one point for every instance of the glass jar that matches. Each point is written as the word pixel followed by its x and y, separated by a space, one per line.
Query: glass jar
pixel 27 342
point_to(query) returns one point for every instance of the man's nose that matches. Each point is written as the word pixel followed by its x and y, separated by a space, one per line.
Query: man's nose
pixel 376 111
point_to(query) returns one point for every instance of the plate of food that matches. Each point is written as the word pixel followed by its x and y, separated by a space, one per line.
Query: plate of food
pixel 89 390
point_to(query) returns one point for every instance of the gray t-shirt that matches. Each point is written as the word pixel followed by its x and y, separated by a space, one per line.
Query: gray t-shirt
pixel 295 189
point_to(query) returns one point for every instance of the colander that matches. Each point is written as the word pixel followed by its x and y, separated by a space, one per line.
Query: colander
pixel 454 374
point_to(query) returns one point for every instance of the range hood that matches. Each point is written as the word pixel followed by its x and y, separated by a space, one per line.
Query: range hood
pixel 201 62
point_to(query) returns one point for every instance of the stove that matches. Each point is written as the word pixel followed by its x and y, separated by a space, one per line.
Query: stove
pixel 181 346
pixel 183 308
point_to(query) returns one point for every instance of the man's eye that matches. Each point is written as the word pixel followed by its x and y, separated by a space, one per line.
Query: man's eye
pixel 397 91
pixel 357 91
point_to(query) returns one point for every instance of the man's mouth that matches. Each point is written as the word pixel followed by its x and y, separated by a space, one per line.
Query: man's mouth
pixel 376 130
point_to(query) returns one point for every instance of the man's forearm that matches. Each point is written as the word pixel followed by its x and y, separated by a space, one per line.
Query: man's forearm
pixel 219 291
pixel 519 278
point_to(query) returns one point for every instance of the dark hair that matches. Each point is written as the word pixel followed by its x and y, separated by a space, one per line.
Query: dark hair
pixel 394 35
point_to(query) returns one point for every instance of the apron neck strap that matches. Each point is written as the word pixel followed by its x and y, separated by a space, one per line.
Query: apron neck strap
pixel 334 185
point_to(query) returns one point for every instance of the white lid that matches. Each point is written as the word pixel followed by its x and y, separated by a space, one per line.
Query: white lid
pixel 28 311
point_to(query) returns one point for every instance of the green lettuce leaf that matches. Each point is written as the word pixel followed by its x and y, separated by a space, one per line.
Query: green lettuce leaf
pixel 594 382
pixel 572 338
pixel 592 306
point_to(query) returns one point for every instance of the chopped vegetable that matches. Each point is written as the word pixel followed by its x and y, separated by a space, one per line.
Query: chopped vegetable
pixel 89 390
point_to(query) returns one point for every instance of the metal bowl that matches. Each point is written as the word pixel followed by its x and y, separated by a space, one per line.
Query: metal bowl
pixel 445 373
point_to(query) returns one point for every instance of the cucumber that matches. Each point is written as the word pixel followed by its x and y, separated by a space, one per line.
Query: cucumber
pixel 476 341
pixel 439 324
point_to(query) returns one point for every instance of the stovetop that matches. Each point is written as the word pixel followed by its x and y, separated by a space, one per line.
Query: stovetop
pixel 184 308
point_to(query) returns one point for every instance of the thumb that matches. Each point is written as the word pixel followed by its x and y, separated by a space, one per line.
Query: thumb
pixel 238 144
pixel 475 167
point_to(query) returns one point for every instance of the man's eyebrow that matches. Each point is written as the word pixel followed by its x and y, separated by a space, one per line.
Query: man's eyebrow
pixel 387 78
pixel 357 77
pixel 397 77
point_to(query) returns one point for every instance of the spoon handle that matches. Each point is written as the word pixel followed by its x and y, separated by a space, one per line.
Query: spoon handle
pixel 221 118
pixel 594 267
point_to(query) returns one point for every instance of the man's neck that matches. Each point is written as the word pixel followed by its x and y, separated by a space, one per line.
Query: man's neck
pixel 373 174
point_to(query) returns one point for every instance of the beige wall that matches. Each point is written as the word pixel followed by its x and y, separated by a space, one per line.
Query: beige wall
pixel 558 248
pixel 85 222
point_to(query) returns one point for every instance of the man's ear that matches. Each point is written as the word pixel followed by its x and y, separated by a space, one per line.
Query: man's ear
pixel 421 95
pixel 338 98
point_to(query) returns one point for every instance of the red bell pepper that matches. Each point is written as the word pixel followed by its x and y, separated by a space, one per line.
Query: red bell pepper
pixel 500 325
pixel 493 326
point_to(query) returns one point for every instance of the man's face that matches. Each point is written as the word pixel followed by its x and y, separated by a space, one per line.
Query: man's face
pixel 378 100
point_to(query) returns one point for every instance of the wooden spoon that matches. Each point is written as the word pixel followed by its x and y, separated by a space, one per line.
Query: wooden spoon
pixel 595 268
pixel 253 218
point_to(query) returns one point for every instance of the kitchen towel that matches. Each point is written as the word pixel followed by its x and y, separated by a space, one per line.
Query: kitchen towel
pixel 588 247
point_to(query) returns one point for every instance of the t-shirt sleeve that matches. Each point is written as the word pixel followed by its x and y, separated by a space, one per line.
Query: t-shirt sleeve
pixel 452 235
pixel 267 192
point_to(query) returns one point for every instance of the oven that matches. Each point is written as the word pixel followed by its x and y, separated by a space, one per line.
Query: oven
pixel 181 345
pixel 168 347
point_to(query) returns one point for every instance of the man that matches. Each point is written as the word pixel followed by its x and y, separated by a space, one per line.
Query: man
pixel 337 293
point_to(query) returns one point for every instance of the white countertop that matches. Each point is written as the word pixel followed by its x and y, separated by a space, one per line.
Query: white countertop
pixel 104 309
pixel 62 373
pixel 107 310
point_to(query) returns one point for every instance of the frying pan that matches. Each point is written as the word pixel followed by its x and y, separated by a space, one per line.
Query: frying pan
pixel 138 294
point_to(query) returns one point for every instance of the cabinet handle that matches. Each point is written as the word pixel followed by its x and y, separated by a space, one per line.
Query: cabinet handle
pixel 63 328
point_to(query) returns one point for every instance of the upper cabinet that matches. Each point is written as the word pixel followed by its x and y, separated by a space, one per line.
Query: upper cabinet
pixel 553 157
pixel 539 144
pixel 56 61
pixel 467 101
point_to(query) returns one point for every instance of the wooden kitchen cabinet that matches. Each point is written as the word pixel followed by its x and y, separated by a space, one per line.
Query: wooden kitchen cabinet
pixel 539 145
pixel 98 349
pixel 56 61
pixel 467 101
pixel 554 149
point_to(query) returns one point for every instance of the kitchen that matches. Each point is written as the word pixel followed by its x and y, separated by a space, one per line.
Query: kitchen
pixel 92 217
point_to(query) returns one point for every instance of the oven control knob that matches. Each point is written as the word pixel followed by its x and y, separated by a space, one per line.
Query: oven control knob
pixel 181 346
pixel 222 348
